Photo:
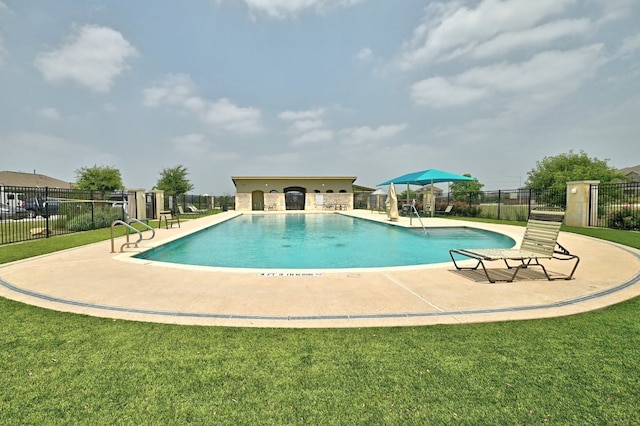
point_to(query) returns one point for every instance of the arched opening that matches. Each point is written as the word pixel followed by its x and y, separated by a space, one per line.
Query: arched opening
pixel 294 197
pixel 257 200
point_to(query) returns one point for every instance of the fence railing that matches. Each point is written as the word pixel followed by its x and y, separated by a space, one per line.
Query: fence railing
pixel 32 212
pixel 200 202
pixel 618 206
pixel 43 212
pixel 511 204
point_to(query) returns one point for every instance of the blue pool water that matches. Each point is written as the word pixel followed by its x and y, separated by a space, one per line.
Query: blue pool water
pixel 319 241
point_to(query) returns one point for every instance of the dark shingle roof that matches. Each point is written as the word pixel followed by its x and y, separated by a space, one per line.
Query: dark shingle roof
pixel 32 180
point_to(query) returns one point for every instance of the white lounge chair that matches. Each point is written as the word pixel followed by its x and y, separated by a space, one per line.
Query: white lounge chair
pixel 539 243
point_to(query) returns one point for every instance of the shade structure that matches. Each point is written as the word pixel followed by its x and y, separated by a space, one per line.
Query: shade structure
pixel 392 203
pixel 427 177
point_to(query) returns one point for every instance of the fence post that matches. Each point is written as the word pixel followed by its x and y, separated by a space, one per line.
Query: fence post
pixel 579 203
pixel 499 202
pixel 47 228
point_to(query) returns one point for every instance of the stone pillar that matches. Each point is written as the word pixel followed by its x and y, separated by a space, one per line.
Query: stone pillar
pixel 243 202
pixel 137 204
pixel 159 194
pixel 579 202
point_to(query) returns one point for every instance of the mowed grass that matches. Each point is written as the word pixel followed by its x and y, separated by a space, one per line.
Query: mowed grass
pixel 60 368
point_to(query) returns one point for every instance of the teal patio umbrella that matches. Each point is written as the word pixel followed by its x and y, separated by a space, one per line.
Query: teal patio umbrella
pixel 427 177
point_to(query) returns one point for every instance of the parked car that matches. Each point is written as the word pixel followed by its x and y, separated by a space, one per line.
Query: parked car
pixel 10 212
pixel 38 206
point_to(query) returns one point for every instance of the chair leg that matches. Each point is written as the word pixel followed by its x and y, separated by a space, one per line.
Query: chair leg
pixel 472 268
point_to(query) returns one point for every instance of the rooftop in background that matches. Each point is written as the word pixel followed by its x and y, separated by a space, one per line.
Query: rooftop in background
pixel 633 173
pixel 31 179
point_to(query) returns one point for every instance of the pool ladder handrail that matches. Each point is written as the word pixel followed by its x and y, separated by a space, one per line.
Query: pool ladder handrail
pixel 132 228
pixel 413 208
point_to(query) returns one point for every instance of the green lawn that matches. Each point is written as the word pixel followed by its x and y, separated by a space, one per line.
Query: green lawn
pixel 58 368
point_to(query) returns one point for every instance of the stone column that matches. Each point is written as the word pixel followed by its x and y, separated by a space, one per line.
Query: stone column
pixel 137 204
pixel 580 203
pixel 159 194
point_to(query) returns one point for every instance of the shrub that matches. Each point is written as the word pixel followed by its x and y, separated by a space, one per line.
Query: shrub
pixel 102 218
pixel 626 218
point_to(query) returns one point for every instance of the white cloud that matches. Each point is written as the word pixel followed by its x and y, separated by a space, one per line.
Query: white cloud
pixel 93 57
pixel 193 144
pixel 49 113
pixel 174 89
pixel 310 114
pixel 364 54
pixel 439 92
pixel 177 91
pixel 614 10
pixel 542 35
pixel 42 148
pixel 289 9
pixel 451 28
pixel 365 134
pixel 306 125
pixel 629 45
pixel 546 76
pixel 313 136
pixel 549 71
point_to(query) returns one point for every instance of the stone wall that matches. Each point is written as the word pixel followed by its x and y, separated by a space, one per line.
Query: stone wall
pixel 243 202
pixel 313 201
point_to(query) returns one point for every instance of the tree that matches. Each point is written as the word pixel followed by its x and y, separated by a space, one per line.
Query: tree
pixel 555 172
pixel 464 190
pixel 99 178
pixel 173 180
pixel 407 194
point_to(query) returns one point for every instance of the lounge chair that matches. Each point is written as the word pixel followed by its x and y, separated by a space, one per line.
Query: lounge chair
pixel 195 210
pixel 446 211
pixel 539 242
pixel 182 212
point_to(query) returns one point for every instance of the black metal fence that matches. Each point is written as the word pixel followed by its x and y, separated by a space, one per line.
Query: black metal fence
pixel 32 212
pixel 198 202
pixel 510 204
pixel 618 206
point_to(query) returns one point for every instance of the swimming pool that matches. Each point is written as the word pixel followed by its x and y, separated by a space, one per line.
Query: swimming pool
pixel 318 241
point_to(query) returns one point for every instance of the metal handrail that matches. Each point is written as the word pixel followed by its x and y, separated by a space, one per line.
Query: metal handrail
pixel 146 225
pixel 129 227
pixel 412 207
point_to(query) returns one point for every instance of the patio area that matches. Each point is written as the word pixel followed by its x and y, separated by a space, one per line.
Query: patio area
pixel 90 280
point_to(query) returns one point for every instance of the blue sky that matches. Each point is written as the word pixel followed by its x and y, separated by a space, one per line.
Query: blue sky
pixel 365 88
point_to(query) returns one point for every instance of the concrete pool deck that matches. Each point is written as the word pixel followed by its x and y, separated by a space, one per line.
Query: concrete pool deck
pixel 93 281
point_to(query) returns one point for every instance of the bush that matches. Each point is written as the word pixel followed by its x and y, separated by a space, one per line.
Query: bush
pixel 102 218
pixel 626 218
pixel 466 210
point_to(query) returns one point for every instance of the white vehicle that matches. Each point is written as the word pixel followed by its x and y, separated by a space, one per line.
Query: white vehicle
pixel 13 199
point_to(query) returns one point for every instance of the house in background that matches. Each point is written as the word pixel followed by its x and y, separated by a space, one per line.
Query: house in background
pixel 32 180
pixel 633 173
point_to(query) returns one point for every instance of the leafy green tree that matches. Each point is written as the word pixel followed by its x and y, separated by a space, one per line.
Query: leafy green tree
pixel 465 190
pixel 173 180
pixel 407 194
pixel 555 172
pixel 551 174
pixel 99 178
